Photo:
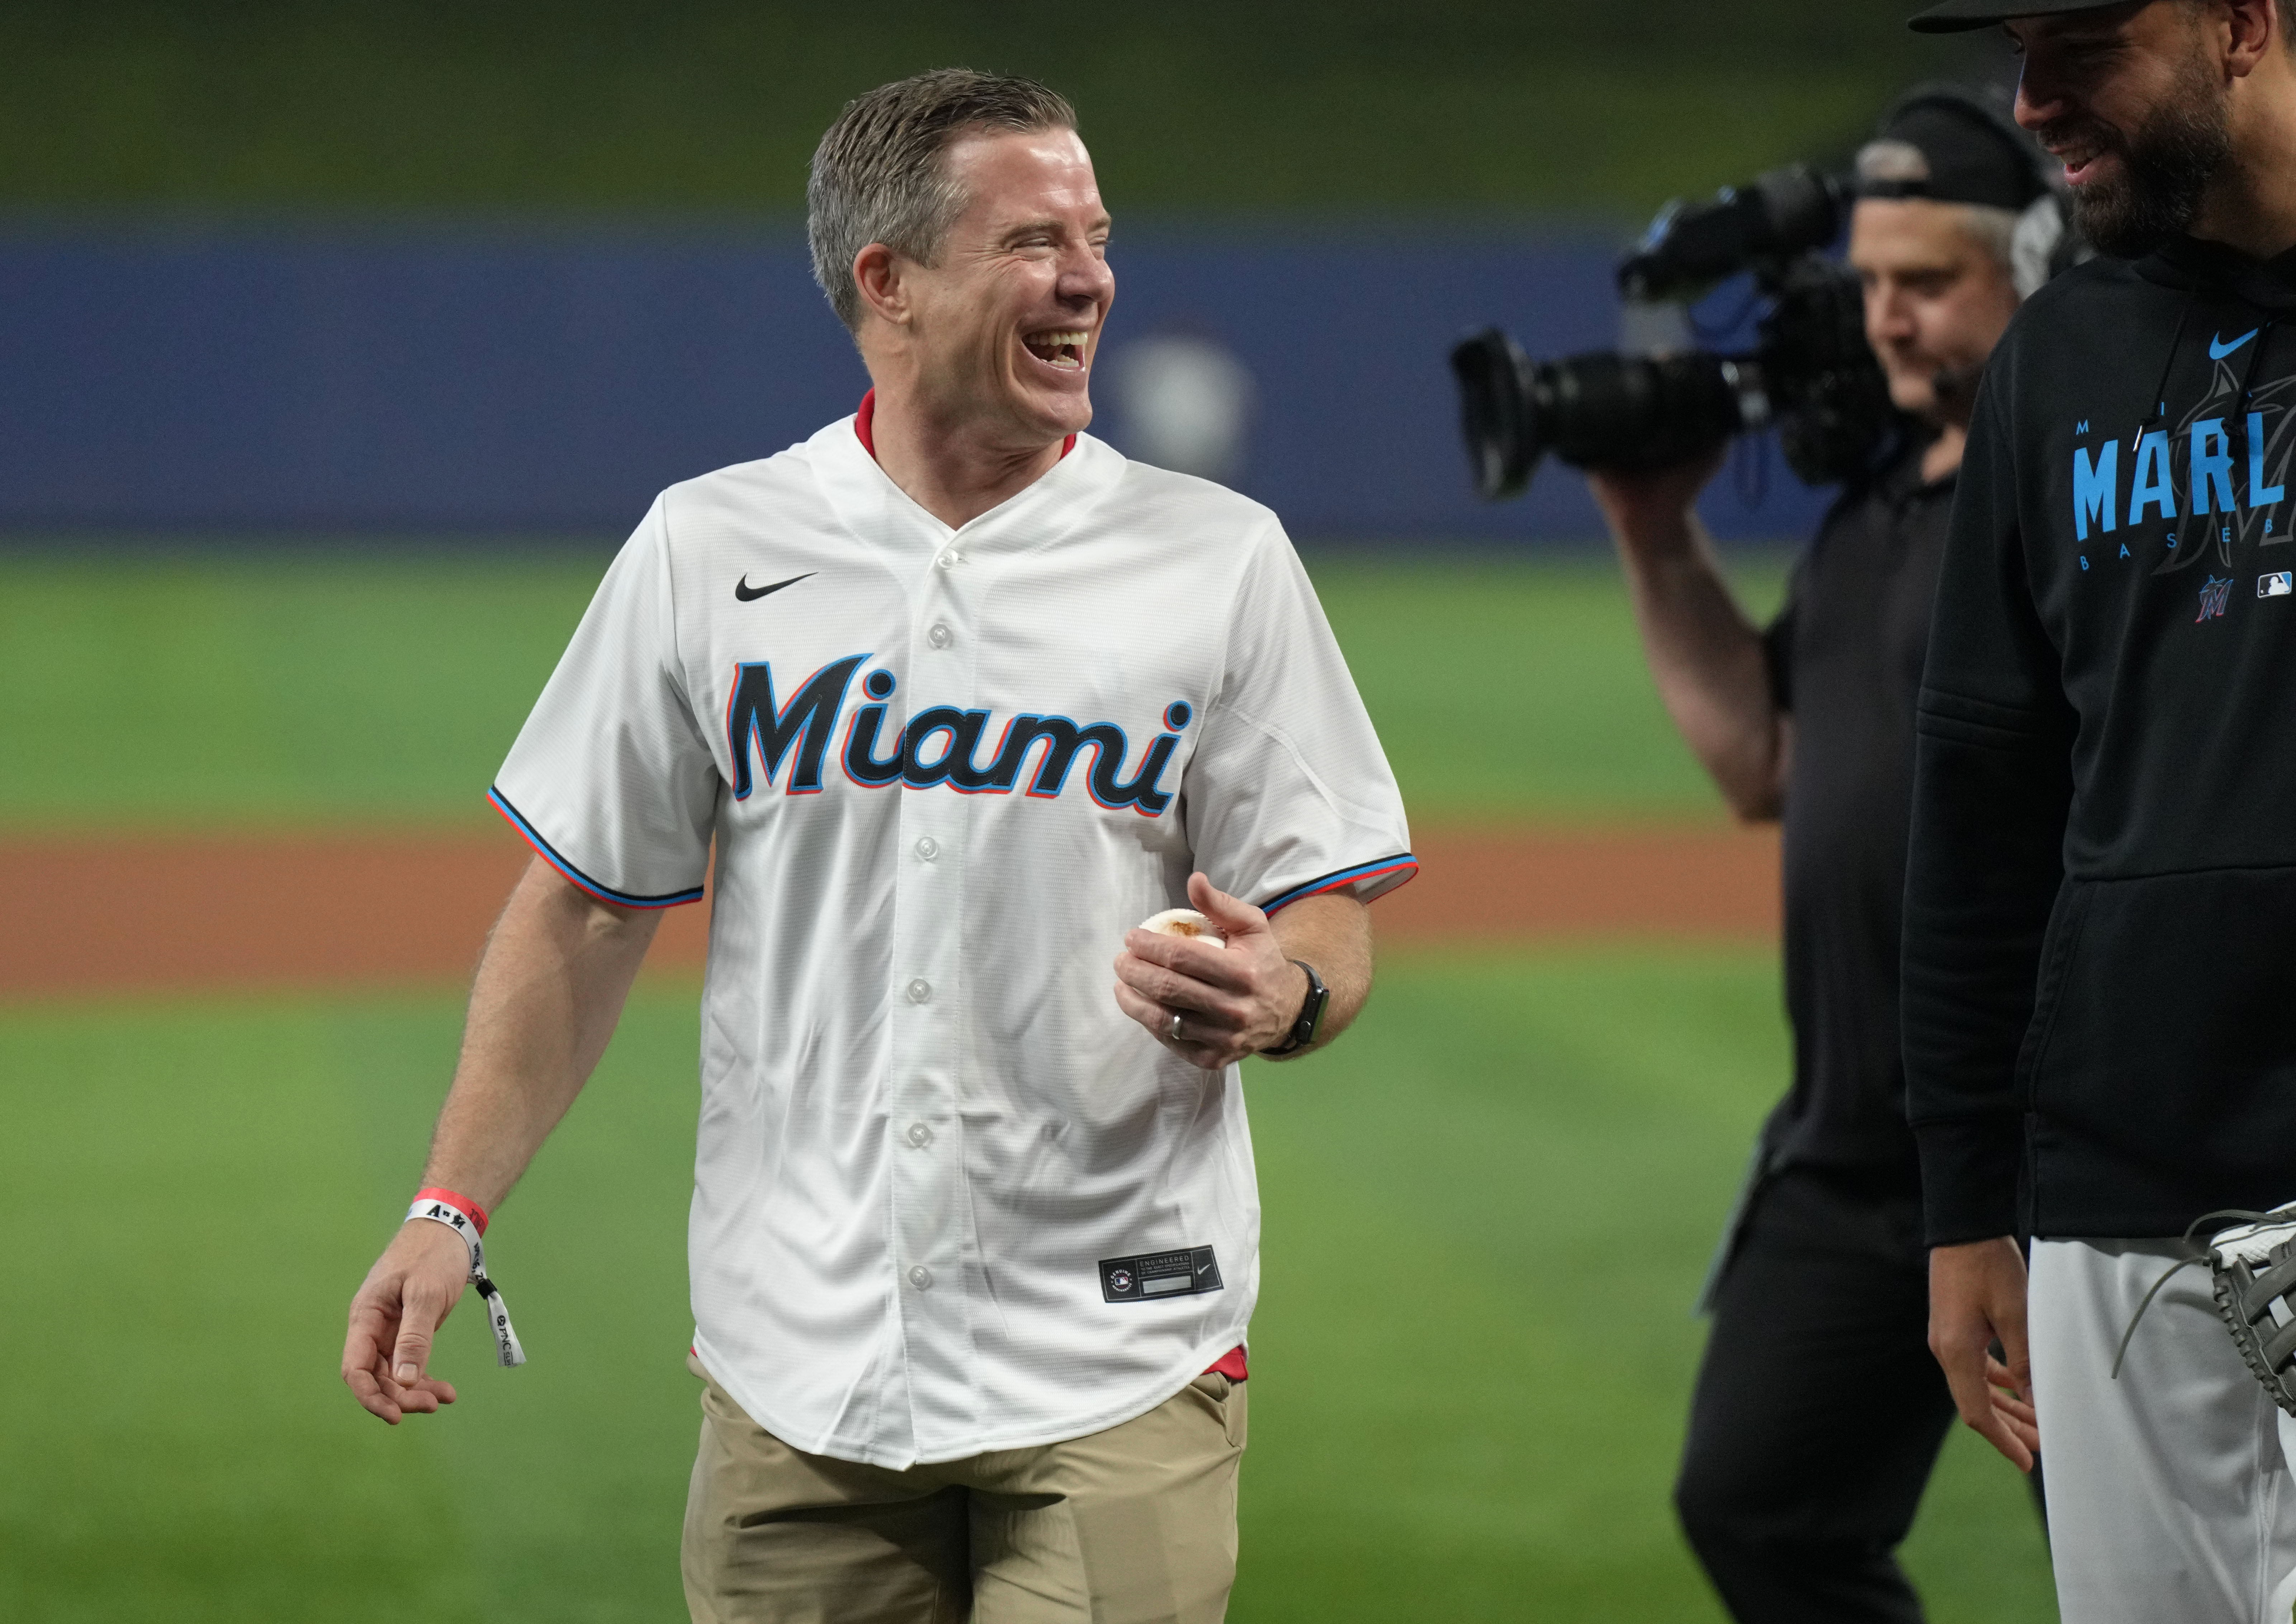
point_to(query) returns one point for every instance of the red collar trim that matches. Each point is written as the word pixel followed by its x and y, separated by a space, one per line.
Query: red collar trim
pixel 865 418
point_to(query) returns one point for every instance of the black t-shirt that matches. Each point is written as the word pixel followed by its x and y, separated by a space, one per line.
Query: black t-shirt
pixel 1845 656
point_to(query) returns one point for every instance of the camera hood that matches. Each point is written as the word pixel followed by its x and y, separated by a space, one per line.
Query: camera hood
pixel 1496 413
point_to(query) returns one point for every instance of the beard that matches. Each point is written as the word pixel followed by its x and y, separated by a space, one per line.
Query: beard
pixel 2165 167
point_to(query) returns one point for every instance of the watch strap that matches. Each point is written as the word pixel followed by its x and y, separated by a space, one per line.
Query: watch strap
pixel 1311 1017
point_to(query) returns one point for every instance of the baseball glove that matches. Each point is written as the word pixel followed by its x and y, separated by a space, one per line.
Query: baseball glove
pixel 2252 1263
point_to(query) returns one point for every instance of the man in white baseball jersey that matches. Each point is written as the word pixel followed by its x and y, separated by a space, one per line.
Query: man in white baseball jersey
pixel 961 695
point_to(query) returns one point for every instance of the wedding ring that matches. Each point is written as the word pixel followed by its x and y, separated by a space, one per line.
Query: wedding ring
pixel 1172 1027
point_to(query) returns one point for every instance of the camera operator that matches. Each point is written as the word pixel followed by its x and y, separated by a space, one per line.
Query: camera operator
pixel 1818 1411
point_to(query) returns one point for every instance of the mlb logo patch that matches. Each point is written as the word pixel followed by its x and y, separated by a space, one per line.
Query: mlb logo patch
pixel 2275 586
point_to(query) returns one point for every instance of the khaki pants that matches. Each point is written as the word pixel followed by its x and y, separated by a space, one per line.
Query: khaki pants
pixel 1129 1526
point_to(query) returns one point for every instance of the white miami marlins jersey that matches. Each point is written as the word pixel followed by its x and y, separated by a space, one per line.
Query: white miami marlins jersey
pixel 948 1198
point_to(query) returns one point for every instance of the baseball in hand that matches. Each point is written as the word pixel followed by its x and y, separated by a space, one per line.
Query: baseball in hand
pixel 1184 921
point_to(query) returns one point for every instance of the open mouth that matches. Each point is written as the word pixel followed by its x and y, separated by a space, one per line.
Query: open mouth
pixel 1062 349
pixel 2080 155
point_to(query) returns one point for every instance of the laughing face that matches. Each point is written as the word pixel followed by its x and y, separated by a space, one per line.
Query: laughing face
pixel 1007 322
pixel 2132 103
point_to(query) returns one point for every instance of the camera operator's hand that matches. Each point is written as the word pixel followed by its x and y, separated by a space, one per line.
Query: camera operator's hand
pixel 1705 655
pixel 1655 507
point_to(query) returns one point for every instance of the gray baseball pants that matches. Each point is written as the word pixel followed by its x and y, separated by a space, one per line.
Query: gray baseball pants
pixel 2170 1494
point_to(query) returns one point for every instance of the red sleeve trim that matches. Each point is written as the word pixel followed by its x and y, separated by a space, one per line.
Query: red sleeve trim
pixel 1403 863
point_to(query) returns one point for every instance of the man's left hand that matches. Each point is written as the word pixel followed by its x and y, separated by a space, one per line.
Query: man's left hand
pixel 1232 1001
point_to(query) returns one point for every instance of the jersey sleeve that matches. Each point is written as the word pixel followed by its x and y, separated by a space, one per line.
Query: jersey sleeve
pixel 1992 786
pixel 1288 794
pixel 611 780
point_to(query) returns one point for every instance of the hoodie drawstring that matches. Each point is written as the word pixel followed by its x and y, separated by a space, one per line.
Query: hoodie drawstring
pixel 2248 374
pixel 2168 364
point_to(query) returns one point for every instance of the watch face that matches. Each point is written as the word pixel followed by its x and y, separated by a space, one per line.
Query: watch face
pixel 1311 1009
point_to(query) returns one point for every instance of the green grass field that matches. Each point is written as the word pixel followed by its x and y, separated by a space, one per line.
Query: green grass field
pixel 1465 1407
pixel 168 692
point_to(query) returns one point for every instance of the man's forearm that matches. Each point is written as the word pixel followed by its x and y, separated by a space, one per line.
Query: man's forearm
pixel 1706 658
pixel 1334 934
pixel 549 991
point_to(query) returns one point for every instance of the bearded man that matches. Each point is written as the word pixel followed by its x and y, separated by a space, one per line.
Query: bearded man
pixel 2100 895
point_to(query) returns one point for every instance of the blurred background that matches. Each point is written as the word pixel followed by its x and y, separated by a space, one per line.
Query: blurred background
pixel 340 343
pixel 364 267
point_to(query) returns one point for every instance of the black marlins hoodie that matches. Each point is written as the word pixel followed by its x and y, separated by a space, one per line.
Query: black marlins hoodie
pixel 2100 951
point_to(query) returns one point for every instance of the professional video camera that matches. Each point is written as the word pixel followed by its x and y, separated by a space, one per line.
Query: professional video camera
pixel 1811 375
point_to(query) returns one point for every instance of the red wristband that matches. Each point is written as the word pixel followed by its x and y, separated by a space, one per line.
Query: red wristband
pixel 463 1205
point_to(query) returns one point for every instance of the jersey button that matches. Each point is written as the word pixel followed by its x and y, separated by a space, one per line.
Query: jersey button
pixel 920 990
pixel 920 1278
pixel 940 636
pixel 920 1135
pixel 949 558
pixel 929 849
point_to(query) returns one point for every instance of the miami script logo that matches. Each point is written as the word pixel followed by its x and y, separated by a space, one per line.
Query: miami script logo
pixel 940 746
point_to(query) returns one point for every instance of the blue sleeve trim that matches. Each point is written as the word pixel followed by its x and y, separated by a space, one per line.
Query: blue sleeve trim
pixel 604 893
pixel 1402 863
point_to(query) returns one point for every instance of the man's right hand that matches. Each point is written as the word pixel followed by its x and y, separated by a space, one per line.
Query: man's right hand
pixel 1651 506
pixel 1977 1299
pixel 405 1297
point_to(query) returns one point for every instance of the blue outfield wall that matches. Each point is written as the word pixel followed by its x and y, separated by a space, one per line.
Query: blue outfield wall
pixel 539 379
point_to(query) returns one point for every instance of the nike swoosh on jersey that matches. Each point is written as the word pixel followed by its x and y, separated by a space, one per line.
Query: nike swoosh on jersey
pixel 2218 349
pixel 750 595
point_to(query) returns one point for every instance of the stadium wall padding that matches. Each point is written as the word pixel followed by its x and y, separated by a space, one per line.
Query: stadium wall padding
pixel 540 379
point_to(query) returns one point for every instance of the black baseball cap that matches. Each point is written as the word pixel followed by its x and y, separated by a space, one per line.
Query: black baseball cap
pixel 1963 150
pixel 1959 16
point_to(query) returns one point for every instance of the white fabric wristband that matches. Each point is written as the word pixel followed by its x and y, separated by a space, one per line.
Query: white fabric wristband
pixel 466 1222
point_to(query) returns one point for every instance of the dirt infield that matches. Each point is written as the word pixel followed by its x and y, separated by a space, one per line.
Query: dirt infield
pixel 339 910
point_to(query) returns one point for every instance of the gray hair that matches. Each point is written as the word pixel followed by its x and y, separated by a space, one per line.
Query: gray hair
pixel 1995 229
pixel 878 174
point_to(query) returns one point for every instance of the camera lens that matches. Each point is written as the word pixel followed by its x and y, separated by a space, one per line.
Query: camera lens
pixel 1592 411
pixel 1606 410
pixel 1495 410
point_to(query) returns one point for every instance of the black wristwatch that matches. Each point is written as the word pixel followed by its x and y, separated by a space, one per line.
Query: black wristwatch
pixel 1311 1015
